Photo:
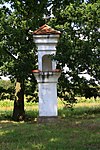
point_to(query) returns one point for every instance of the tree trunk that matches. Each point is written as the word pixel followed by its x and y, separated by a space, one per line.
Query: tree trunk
pixel 18 111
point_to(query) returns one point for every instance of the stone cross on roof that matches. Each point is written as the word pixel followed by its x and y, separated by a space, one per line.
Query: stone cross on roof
pixel 45 29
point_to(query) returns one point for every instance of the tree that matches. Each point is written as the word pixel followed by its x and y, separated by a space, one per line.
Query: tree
pixel 79 46
pixel 17 45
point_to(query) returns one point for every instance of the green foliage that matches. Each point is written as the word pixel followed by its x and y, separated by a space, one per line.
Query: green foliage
pixel 6 90
pixel 18 51
pixel 79 46
pixel 17 46
pixel 31 90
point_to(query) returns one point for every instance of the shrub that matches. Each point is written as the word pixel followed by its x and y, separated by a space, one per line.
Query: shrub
pixel 6 90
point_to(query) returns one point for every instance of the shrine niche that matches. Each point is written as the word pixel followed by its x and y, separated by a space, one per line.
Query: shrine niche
pixel 46 63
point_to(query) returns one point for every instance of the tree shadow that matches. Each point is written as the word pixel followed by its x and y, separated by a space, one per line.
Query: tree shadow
pixel 70 131
pixel 29 116
pixel 64 134
pixel 79 112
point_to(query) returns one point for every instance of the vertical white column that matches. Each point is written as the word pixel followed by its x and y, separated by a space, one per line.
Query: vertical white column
pixel 47 99
pixel 46 39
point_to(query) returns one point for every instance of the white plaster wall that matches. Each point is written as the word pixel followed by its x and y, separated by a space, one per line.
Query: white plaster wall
pixel 52 38
pixel 48 99
pixel 49 77
pixel 46 45
pixel 42 47
pixel 47 81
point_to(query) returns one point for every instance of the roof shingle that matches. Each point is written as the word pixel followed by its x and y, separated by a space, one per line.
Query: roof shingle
pixel 45 29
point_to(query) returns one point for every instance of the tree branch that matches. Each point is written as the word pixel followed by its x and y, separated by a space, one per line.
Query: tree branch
pixel 10 54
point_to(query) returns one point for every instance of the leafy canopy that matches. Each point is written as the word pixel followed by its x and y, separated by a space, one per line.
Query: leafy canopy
pixel 79 46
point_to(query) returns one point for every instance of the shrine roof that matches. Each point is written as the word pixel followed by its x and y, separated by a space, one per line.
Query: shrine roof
pixel 45 29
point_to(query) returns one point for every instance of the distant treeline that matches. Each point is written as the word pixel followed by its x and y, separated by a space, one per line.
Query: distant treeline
pixel 7 90
pixel 87 91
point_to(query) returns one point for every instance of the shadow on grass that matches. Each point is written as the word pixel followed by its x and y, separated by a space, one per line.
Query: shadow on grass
pixel 6 115
pixel 29 115
pixel 70 134
pixel 79 112
pixel 77 129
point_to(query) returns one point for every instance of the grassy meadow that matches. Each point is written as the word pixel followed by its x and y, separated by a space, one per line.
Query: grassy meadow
pixel 78 129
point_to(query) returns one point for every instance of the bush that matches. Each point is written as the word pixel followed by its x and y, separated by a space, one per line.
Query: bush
pixel 6 90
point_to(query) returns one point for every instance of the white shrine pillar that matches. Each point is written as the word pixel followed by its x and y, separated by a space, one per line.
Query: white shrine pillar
pixel 47 75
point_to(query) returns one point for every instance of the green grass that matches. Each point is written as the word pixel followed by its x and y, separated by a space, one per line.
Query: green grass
pixel 74 130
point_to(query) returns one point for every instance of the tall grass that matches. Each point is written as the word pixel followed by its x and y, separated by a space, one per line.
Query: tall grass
pixel 82 107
